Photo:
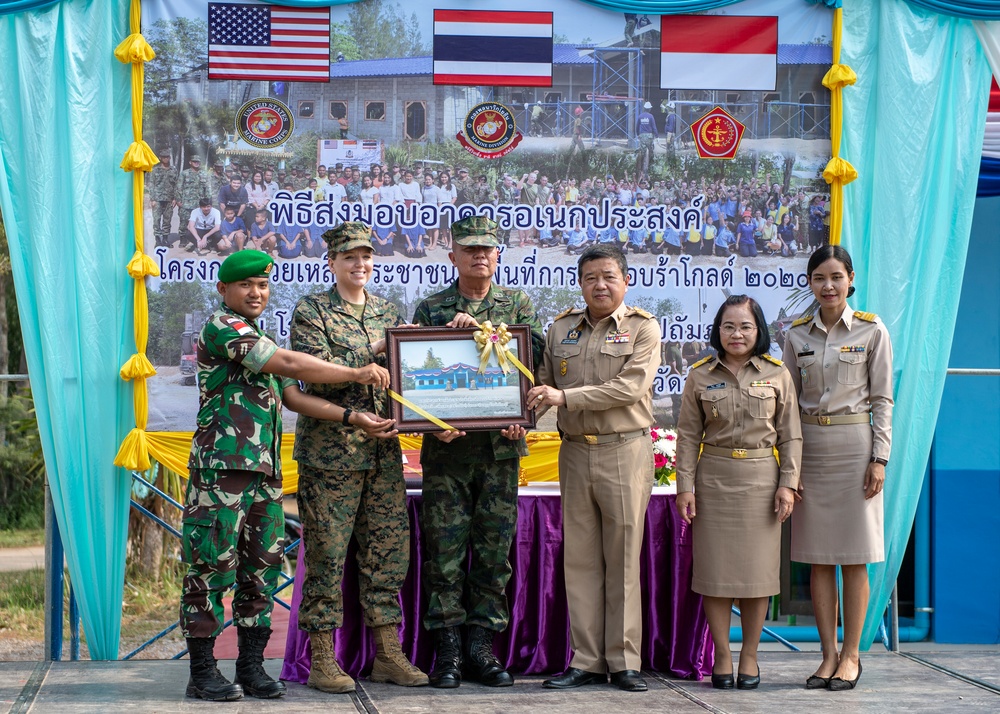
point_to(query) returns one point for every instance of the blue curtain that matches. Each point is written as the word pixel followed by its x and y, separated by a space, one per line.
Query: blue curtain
pixel 65 101
pixel 908 217
pixel 989 178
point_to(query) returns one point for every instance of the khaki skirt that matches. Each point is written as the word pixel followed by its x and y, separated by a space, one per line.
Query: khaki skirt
pixel 834 524
pixel 736 536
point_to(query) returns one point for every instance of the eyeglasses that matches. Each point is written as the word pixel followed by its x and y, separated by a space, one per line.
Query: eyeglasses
pixel 745 329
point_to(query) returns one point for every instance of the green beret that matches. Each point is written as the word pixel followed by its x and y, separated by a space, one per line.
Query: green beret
pixel 348 236
pixel 475 231
pixel 245 264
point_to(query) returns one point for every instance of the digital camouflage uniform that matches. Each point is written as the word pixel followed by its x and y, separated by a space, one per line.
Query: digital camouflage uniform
pixel 162 187
pixel 191 188
pixel 215 184
pixel 506 195
pixel 348 481
pixel 466 190
pixel 233 522
pixel 470 488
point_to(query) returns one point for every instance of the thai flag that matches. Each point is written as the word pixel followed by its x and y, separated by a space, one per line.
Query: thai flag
pixel 487 47
pixel 991 142
pixel 718 52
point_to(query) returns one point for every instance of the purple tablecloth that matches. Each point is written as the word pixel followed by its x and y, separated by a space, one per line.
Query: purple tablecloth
pixel 675 635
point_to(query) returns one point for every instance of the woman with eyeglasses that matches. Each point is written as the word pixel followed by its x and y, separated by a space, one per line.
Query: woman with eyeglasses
pixel 841 363
pixel 738 407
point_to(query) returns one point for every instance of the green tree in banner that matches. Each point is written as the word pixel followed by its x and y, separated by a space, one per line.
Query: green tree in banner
pixel 376 29
pixel 181 45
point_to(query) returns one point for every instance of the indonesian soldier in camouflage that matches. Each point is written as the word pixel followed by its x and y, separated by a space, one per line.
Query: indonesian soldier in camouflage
pixel 233 522
pixel 162 187
pixel 191 188
pixel 470 480
pixel 349 482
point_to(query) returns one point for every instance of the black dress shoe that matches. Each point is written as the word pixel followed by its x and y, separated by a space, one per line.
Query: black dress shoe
pixel 628 680
pixel 817 682
pixel 722 681
pixel 575 678
pixel 840 685
pixel 748 681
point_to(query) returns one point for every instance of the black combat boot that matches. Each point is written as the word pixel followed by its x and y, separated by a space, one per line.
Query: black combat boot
pixel 481 665
pixel 447 672
pixel 250 672
pixel 206 680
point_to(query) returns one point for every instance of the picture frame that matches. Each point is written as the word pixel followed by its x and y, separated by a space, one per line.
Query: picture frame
pixel 436 368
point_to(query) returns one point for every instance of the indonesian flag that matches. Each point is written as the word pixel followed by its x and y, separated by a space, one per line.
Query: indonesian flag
pixel 991 142
pixel 718 52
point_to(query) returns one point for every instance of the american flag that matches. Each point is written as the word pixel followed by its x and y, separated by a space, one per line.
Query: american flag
pixel 268 42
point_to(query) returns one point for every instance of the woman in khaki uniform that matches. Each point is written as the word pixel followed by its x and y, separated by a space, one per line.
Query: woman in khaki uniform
pixel 736 409
pixel 841 363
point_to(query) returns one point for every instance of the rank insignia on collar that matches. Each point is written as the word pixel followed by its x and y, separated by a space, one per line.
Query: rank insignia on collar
pixel 562 368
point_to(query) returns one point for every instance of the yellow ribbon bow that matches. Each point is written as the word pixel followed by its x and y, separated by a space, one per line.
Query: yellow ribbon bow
pixel 493 340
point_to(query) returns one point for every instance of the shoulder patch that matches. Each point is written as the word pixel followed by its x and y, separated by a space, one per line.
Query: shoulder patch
pixel 703 360
pixel 642 313
pixel 568 311
pixel 803 321
pixel 773 360
pixel 866 316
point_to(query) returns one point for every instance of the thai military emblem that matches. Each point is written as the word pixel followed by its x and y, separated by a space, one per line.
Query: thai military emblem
pixel 489 131
pixel 717 135
pixel 264 123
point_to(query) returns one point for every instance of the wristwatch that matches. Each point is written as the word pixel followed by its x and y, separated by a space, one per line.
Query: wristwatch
pixel 347 416
pixel 877 460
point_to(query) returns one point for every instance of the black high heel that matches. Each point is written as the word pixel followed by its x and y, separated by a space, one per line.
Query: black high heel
pixel 842 685
pixel 747 681
pixel 722 681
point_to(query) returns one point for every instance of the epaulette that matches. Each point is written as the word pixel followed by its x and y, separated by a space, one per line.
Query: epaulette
pixel 803 321
pixel 703 360
pixel 567 311
pixel 866 316
pixel 773 360
pixel 640 312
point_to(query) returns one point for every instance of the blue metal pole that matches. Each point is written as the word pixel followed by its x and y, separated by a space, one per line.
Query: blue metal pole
pixel 74 626
pixel 54 555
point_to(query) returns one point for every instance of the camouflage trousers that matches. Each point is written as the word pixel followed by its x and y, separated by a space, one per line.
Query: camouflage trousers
pixel 371 504
pixel 233 532
pixel 468 507
pixel 163 213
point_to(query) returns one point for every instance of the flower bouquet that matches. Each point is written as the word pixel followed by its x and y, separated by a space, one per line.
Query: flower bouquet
pixel 664 455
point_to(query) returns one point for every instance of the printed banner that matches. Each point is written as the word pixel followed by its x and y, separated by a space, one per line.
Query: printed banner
pixel 569 127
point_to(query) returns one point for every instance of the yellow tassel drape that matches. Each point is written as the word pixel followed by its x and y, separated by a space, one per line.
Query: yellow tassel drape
pixel 139 158
pixel 838 172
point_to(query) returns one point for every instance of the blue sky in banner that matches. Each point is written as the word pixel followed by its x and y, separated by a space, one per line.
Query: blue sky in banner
pixel 585 22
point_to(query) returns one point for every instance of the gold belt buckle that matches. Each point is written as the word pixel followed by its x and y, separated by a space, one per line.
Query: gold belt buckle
pixel 739 453
pixel 824 421
pixel 590 439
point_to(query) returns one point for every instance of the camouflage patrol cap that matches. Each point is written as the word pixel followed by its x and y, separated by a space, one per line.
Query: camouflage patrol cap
pixel 348 236
pixel 245 264
pixel 195 159
pixel 475 231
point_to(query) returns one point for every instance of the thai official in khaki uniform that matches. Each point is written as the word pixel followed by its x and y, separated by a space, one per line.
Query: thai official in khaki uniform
pixel 598 370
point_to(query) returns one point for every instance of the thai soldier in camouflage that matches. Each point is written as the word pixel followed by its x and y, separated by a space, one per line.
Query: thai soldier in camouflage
pixel 233 521
pixel 465 187
pixel 349 482
pixel 162 187
pixel 470 480
pixel 482 193
pixel 191 188
pixel 216 180
pixel 506 195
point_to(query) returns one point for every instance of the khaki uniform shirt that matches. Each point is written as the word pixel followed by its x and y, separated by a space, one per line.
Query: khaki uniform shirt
pixel 605 369
pixel 755 409
pixel 846 370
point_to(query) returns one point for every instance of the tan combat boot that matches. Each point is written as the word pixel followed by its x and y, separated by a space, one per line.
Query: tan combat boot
pixel 391 664
pixel 325 673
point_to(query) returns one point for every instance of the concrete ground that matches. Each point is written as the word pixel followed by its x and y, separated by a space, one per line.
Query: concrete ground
pixel 13 559
pixel 946 681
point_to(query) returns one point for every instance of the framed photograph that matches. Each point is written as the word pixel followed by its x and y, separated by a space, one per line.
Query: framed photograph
pixel 437 369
